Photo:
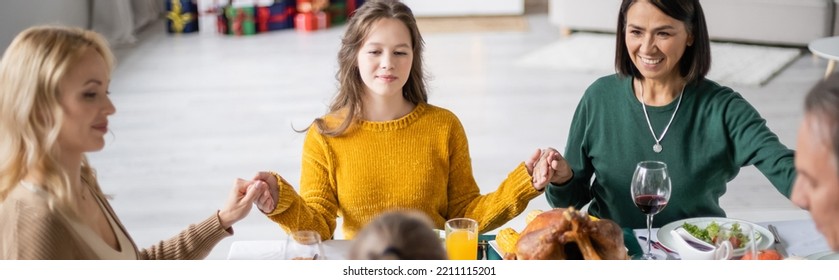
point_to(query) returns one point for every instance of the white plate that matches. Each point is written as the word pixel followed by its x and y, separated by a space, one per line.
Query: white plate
pixel 494 245
pixel 826 255
pixel 764 241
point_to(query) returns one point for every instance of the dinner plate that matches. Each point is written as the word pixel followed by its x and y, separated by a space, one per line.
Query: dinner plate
pixel 494 245
pixel 765 240
pixel 826 255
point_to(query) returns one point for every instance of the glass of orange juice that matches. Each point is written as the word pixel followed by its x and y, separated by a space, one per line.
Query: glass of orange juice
pixel 462 239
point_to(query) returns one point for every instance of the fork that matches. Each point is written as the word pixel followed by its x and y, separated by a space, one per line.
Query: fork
pixel 658 245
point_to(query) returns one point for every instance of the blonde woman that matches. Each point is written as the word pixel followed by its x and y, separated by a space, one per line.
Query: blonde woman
pixel 54 107
pixel 383 147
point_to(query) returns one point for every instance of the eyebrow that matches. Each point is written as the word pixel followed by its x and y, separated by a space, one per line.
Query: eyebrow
pixel 666 27
pixel 379 44
pixel 94 81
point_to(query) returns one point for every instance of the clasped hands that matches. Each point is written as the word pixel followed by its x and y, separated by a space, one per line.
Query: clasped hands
pixel 262 191
pixel 548 166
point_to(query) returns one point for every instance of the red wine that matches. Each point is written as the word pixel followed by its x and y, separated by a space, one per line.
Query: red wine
pixel 650 203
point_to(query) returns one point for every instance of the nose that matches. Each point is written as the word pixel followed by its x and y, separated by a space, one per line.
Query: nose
pixel 387 62
pixel 109 109
pixel 648 44
pixel 799 195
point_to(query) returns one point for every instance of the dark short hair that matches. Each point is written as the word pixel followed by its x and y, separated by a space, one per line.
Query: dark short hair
pixel 823 102
pixel 695 62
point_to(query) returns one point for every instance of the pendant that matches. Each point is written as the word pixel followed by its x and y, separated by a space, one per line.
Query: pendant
pixel 657 148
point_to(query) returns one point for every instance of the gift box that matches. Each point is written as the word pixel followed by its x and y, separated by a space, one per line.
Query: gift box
pixel 279 15
pixel 353 5
pixel 222 24
pixel 323 20
pixel 338 11
pixel 241 20
pixel 305 22
pixel 181 16
pixel 208 16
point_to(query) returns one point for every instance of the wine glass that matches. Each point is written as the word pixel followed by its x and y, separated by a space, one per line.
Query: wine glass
pixel 304 245
pixel 650 190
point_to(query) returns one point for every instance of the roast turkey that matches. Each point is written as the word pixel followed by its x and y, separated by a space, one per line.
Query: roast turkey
pixel 567 234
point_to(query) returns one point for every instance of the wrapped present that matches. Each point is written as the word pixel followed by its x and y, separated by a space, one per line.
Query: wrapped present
pixel 305 22
pixel 181 16
pixel 222 24
pixel 279 15
pixel 352 5
pixel 209 13
pixel 323 21
pixel 338 11
pixel 241 20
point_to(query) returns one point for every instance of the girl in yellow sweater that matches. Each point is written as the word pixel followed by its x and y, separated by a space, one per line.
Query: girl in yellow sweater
pixel 383 147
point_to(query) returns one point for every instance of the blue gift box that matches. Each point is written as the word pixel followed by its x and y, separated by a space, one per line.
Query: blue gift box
pixel 279 15
pixel 181 16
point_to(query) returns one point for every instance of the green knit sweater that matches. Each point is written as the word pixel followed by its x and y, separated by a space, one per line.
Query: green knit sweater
pixel 714 133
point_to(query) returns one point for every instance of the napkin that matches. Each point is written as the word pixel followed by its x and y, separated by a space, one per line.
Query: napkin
pixel 631 242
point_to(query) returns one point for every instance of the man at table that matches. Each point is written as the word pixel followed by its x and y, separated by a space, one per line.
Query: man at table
pixel 816 187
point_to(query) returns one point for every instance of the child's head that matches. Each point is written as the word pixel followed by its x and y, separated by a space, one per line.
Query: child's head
pixel 398 235
pixel 51 81
pixel 390 63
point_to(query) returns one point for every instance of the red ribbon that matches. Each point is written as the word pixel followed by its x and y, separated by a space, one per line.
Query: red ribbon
pixel 239 19
pixel 264 16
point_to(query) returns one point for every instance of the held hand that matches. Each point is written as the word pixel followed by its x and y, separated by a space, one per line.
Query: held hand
pixel 267 200
pixel 560 171
pixel 531 162
pixel 540 170
pixel 239 203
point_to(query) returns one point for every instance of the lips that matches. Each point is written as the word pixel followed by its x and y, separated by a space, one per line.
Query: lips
pixel 650 61
pixel 386 78
pixel 103 127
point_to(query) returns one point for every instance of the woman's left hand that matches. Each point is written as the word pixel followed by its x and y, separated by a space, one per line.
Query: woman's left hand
pixel 240 201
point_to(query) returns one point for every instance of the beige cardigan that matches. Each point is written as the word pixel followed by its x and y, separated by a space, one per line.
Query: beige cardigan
pixel 30 230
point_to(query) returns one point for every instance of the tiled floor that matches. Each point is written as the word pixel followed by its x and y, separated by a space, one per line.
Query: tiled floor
pixel 195 112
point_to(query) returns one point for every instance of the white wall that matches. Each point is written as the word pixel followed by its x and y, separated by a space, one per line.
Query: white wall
pixel 444 8
pixel 17 15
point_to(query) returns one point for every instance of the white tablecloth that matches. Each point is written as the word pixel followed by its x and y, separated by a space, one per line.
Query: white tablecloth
pixel 273 250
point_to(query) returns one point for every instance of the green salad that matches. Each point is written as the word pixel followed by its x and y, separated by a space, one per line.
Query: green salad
pixel 711 232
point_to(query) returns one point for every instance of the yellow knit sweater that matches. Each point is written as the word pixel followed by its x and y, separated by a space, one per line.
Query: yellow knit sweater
pixel 420 161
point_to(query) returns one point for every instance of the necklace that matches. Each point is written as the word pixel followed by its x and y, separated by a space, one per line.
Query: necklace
pixel 657 146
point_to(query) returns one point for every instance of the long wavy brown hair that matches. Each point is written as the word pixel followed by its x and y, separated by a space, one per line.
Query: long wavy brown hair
pixel 30 114
pixel 347 102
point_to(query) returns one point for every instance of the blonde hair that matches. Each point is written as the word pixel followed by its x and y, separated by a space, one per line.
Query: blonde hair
pixel 31 69
pixel 398 235
pixel 347 102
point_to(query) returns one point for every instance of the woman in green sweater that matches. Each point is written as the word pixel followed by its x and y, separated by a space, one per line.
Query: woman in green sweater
pixel 659 106
pixel 383 147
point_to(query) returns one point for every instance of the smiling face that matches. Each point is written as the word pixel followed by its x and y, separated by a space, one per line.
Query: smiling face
pixel 816 186
pixel 83 96
pixel 655 41
pixel 385 58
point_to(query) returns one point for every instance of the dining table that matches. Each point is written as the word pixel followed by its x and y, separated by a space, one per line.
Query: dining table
pixel 800 238
pixel 273 249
